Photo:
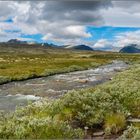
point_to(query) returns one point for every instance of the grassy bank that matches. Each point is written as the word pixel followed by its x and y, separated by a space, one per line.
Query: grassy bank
pixel 24 66
pixel 105 107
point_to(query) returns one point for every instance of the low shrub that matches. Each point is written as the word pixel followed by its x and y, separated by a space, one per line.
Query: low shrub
pixel 114 123
pixel 35 128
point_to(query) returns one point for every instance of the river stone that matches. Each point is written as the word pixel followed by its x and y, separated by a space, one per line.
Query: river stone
pixel 100 133
pixel 118 70
pixel 134 120
pixel 83 81
pixel 110 78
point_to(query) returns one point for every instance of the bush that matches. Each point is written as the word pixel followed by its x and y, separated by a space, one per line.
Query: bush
pixel 35 128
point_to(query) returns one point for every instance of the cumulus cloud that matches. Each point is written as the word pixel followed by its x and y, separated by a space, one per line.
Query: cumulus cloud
pixel 6 36
pixel 6 10
pixel 78 31
pixel 2 35
pixel 104 44
pixel 74 12
pixel 67 33
pixel 56 20
pixel 124 39
pixel 8 31
pixel 122 14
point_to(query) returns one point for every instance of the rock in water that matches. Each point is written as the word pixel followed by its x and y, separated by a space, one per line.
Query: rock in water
pixel 97 134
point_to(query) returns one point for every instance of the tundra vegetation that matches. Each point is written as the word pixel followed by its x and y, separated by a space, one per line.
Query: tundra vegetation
pixel 79 113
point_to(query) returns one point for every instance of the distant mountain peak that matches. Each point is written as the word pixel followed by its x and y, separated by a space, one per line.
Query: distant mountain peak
pixel 79 47
pixel 131 48
pixel 16 41
pixel 51 45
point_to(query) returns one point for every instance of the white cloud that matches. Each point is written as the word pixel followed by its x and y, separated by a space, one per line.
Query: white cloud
pixel 8 26
pixel 124 39
pixel 25 39
pixel 64 21
pixel 102 43
pixel 6 10
pixel 1 32
pixel 68 34
pixel 122 14
pixel 6 36
pixel 79 31
pixel 48 36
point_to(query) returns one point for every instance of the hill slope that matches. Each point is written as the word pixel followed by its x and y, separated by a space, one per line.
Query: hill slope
pixel 80 47
pixel 132 48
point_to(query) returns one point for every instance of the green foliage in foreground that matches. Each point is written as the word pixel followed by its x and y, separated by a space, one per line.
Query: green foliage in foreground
pixel 105 107
pixel 39 128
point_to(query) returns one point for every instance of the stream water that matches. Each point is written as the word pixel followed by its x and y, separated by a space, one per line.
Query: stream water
pixel 19 93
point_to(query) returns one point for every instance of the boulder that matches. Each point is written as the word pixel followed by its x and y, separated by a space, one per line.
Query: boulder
pixel 99 133
pixel 83 81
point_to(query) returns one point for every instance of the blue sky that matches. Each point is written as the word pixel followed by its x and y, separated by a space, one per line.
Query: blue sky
pixel 108 32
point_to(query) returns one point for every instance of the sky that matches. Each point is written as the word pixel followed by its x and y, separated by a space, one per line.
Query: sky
pixel 102 24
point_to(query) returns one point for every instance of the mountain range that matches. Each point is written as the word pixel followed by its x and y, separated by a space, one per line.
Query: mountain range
pixel 131 48
pixel 76 47
pixel 16 41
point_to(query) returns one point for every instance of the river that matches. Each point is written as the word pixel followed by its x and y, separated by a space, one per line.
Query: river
pixel 21 92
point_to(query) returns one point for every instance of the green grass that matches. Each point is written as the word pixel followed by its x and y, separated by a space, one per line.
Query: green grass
pixel 19 66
